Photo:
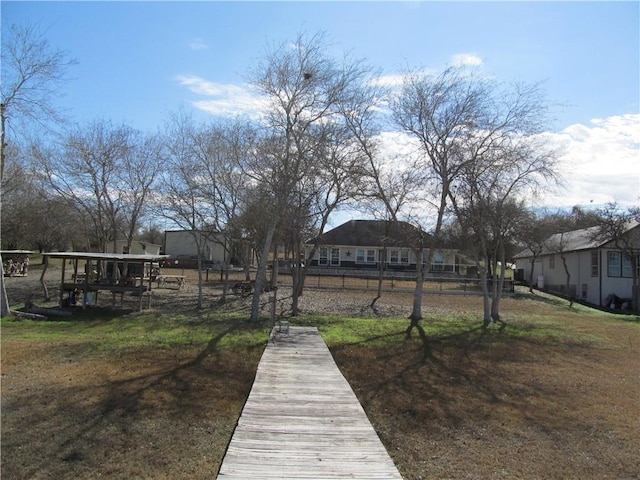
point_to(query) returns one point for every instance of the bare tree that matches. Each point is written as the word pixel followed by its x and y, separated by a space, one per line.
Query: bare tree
pixel 390 183
pixel 506 162
pixel 223 148
pixel 202 189
pixel 107 173
pixel 305 90
pixel 438 111
pixel 533 235
pixel 33 217
pixel 32 74
pixel 179 196
pixel 558 244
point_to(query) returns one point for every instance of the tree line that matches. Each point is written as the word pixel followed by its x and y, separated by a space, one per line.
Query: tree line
pixel 472 158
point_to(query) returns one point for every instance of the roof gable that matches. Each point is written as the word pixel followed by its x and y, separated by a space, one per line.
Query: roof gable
pixel 373 233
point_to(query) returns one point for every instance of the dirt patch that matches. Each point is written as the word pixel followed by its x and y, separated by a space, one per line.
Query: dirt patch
pixel 476 407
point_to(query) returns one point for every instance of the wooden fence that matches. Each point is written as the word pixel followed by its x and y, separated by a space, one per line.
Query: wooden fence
pixel 455 285
pixel 363 282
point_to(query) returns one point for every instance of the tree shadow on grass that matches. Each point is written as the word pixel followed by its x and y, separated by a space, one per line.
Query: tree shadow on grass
pixel 468 379
pixel 131 401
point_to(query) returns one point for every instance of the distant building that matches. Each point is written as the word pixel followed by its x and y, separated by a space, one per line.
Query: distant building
pixel 137 248
pixel 365 244
pixel 598 270
pixel 181 245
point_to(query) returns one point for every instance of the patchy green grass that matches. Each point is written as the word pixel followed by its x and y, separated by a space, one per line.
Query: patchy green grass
pixel 139 330
pixel 563 325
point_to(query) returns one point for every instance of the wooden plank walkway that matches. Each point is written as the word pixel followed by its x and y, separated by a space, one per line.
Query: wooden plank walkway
pixel 302 420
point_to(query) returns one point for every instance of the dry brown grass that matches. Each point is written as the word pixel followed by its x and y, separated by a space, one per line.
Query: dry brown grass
pixel 478 407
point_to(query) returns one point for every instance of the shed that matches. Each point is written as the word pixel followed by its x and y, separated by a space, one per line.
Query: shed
pixel 87 274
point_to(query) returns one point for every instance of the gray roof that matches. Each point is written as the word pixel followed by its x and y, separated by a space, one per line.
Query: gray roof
pixel 373 233
pixel 576 240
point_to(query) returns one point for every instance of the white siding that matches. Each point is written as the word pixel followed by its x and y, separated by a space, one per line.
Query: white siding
pixel 585 286
pixel 183 244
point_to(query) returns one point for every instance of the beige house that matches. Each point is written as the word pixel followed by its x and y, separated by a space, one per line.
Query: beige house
pixel 365 244
pixel 598 270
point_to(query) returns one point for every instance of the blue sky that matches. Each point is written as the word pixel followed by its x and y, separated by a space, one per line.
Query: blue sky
pixel 134 60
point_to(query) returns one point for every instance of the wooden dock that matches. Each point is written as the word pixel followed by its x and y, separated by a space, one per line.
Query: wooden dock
pixel 302 420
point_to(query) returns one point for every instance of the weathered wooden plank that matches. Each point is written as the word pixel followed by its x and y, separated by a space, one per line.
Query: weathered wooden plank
pixel 303 421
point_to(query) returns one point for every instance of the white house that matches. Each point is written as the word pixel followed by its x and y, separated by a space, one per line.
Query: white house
pixel 596 267
pixel 181 244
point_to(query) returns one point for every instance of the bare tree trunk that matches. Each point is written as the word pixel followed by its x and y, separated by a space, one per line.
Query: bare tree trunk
pixel 199 279
pixel 485 290
pixel 634 283
pixel 568 277
pixel 498 288
pixel 42 281
pixel 273 284
pixel 248 261
pixel 533 266
pixel 372 305
pixel 416 312
pixel 297 276
pixel 225 283
pixel 4 302
pixel 295 284
pixel 262 270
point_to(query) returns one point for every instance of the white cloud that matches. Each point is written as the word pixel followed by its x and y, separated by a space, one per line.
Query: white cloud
pixel 392 80
pixel 198 44
pixel 223 98
pixel 600 163
pixel 462 59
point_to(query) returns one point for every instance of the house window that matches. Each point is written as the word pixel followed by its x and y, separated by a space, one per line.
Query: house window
pixel 399 257
pixel 365 255
pixel 627 267
pixel 614 264
pixel 323 256
pixel 552 261
pixel 335 256
pixel 594 264
pixel 619 265
pixel 438 261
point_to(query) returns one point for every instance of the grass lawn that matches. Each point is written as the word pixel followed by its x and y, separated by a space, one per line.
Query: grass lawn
pixel 157 394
